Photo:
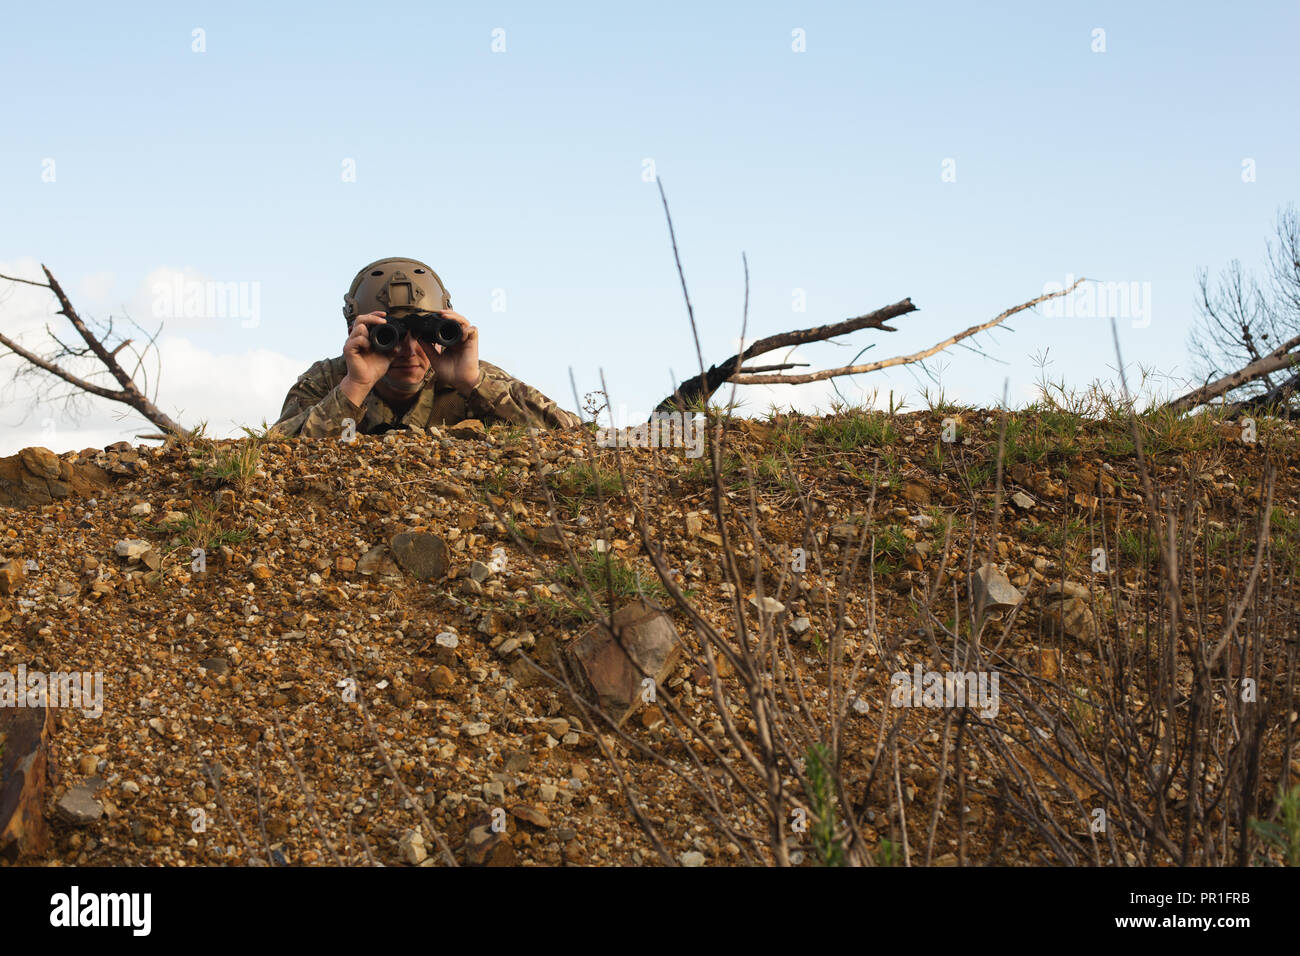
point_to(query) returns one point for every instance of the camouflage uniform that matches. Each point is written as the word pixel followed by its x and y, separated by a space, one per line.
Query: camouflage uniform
pixel 315 408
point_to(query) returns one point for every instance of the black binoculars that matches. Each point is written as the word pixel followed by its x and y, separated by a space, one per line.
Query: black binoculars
pixel 429 327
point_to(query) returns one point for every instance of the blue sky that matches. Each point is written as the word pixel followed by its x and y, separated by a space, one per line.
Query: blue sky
pixel 522 171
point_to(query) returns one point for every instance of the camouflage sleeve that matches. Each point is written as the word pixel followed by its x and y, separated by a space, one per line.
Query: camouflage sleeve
pixel 314 409
pixel 499 397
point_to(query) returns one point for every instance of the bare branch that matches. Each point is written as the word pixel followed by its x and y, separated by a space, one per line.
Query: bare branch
pixel 128 393
pixel 899 360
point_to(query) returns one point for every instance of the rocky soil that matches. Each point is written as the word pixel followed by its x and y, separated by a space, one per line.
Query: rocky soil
pixel 308 649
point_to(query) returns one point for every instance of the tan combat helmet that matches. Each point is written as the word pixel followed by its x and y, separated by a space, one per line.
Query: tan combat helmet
pixel 392 284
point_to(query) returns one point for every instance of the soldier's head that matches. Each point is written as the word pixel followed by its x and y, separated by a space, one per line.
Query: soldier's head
pixel 398 286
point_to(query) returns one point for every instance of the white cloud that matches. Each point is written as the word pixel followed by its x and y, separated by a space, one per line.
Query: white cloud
pixel 225 389
pixel 97 287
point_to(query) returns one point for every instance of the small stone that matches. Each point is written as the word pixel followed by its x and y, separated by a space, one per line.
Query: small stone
pixel 143 508
pixel 1066 589
pixel 412 847
pixel 916 493
pixel 533 815
pixel 771 606
pixel 422 555
pixel 555 726
pixel 846 531
pixel 993 589
pixel 79 807
pixel 800 625
pixel 440 680
pixel 218 666
pixel 479 571
pixel 475 729
pixel 89 765
pixel 261 571
pixel 1071 616
pixel 131 548
pixel 550 537
pixel 694 523
pixel 378 561
pixel 11 576
pixel 486 847
pixel 691 858
pixel 1022 501
pixel 470 428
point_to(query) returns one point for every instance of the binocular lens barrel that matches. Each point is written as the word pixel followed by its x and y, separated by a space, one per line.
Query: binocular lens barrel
pixel 384 338
pixel 448 332
pixel 427 328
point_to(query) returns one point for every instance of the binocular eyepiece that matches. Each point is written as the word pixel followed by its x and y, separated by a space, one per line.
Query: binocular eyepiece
pixel 429 327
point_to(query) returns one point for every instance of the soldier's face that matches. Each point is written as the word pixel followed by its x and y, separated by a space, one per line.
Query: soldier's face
pixel 409 366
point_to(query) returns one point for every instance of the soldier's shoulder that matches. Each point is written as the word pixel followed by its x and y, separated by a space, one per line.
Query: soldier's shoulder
pixel 495 371
pixel 328 372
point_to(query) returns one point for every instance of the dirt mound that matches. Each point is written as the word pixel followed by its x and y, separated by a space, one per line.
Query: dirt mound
pixel 314 651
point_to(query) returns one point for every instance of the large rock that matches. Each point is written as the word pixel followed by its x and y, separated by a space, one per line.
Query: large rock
pixel 37 476
pixel 647 645
pixel 24 759
pixel 41 462
pixel 422 555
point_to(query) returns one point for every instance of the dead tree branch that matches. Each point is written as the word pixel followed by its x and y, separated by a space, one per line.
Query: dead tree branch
pixel 128 392
pixel 700 388
pixel 1279 358
pixel 745 379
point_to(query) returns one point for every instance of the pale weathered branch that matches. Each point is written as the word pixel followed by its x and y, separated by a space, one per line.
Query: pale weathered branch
pixel 743 379
pixel 1279 358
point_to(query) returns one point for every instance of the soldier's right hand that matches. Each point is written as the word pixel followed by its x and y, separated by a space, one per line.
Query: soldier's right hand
pixel 365 365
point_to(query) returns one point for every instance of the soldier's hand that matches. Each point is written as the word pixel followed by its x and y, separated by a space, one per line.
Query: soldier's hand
pixel 458 365
pixel 365 365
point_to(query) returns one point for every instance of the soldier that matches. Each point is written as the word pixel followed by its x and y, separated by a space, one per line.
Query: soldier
pixel 419 383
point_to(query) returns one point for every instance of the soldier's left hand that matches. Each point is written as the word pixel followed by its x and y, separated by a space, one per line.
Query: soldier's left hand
pixel 458 365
